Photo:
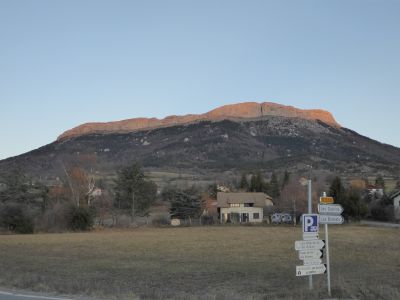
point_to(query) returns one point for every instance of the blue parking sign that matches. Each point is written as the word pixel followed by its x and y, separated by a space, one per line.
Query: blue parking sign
pixel 310 223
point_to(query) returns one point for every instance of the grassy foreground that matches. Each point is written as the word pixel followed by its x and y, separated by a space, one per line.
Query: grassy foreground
pixel 200 263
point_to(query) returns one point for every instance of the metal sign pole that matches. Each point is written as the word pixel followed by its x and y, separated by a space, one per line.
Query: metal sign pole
pixel 310 279
pixel 328 265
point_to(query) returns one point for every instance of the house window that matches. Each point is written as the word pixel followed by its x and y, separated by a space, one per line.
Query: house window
pixel 234 205
pixel 256 216
pixel 249 205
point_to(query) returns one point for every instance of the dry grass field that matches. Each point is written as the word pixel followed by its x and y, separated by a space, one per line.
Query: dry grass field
pixel 199 263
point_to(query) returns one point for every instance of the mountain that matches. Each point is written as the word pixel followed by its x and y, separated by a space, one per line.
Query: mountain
pixel 246 110
pixel 219 144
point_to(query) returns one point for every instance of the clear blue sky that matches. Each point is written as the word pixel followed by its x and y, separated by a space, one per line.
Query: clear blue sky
pixel 63 63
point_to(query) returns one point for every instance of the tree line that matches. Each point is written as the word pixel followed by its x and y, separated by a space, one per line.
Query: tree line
pixel 257 183
pixel 26 205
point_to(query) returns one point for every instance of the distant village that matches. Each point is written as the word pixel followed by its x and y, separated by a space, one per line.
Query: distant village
pixel 80 201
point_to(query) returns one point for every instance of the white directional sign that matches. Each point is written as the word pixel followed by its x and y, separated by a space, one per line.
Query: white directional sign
pixel 330 220
pixel 309 245
pixel 310 254
pixel 330 209
pixel 309 262
pixel 310 270
pixel 310 236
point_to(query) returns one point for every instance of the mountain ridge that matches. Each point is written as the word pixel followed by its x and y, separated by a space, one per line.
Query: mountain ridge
pixel 254 137
pixel 244 110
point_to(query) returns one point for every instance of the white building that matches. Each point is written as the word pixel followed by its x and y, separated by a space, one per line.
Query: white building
pixel 97 192
pixel 396 204
pixel 242 207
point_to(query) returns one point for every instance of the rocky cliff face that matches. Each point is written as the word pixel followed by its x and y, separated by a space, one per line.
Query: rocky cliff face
pixel 247 110
pixel 251 136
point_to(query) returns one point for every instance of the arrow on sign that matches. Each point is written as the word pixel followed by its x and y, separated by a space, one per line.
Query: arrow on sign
pixel 310 236
pixel 310 270
pixel 310 254
pixel 309 245
pixel 331 220
pixel 330 209
pixel 309 262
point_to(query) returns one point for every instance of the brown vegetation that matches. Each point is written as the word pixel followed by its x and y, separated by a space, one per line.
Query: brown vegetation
pixel 200 263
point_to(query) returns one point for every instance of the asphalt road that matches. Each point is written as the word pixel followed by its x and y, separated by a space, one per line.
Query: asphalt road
pixel 18 296
pixel 380 224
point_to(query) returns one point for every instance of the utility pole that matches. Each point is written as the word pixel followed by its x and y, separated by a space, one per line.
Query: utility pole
pixel 133 206
pixel 310 279
pixel 309 185
pixel 328 264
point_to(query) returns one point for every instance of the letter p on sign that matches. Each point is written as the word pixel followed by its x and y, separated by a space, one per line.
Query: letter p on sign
pixel 310 223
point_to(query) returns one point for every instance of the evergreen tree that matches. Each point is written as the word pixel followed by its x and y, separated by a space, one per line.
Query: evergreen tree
pixel 213 191
pixel 350 200
pixel 131 184
pixel 380 182
pixel 266 188
pixel 186 204
pixel 286 178
pixel 168 192
pixel 337 191
pixel 259 182
pixel 244 184
pixel 21 200
pixel 354 206
pixel 274 187
pixel 253 183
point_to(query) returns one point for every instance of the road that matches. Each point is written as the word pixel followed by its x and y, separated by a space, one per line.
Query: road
pixel 380 224
pixel 19 296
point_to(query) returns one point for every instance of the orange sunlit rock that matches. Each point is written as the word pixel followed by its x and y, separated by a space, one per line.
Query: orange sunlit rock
pixel 247 110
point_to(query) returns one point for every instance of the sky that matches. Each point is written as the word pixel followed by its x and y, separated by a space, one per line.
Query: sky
pixel 64 63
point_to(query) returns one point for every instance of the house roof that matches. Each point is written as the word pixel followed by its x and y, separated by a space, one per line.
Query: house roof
pixel 259 199
pixel 394 194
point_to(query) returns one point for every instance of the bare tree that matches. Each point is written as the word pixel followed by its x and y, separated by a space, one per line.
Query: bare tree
pixel 81 185
pixel 293 197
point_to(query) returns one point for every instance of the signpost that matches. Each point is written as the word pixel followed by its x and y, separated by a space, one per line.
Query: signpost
pixel 310 270
pixel 311 262
pixel 310 248
pixel 309 245
pixel 326 200
pixel 330 209
pixel 329 214
pixel 310 236
pixel 310 223
pixel 331 220
pixel 310 254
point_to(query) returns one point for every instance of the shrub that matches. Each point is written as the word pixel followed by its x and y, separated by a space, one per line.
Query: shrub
pixel 81 219
pixel 56 218
pixel 160 220
pixel 14 218
pixel 207 219
pixel 378 213
pixel 382 210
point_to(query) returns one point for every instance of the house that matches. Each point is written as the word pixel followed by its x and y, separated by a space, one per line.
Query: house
pixel 97 192
pixel 242 207
pixel 222 188
pixel 375 191
pixel 396 204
